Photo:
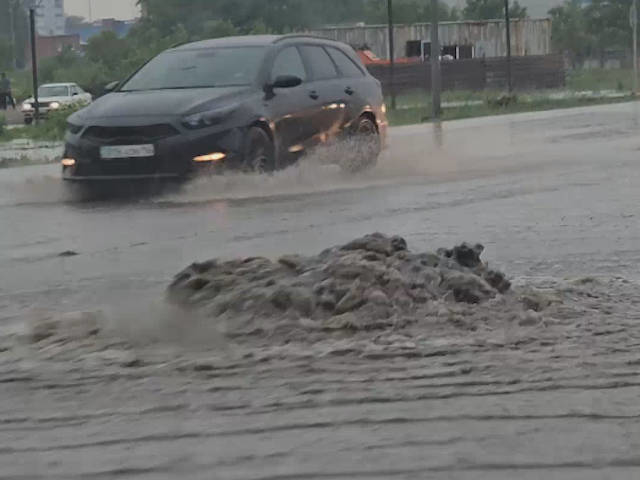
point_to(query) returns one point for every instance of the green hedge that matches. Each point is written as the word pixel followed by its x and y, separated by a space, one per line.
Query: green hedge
pixel 52 128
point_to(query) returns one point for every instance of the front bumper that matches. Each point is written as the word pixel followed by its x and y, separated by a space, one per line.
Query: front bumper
pixel 42 113
pixel 173 157
pixel 70 177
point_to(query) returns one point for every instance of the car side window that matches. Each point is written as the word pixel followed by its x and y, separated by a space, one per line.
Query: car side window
pixel 288 62
pixel 321 64
pixel 347 67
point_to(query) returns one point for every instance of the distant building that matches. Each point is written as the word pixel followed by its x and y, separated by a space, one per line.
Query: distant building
pixel 52 46
pixel 87 30
pixel 50 17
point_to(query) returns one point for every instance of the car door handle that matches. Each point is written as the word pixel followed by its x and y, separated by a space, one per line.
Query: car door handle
pixel 349 91
pixel 313 94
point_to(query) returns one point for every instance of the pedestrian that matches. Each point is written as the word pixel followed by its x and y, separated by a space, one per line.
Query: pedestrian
pixel 6 97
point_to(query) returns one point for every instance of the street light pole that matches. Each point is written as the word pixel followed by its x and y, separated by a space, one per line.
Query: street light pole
pixel 634 24
pixel 34 62
pixel 392 56
pixel 436 79
pixel 508 24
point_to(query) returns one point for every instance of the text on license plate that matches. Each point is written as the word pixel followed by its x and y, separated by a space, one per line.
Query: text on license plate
pixel 127 151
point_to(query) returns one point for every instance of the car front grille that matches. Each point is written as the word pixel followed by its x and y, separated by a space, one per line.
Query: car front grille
pixel 132 135
pixel 137 166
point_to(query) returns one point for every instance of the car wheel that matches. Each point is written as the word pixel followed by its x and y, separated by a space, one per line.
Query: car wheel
pixel 28 121
pixel 364 147
pixel 259 152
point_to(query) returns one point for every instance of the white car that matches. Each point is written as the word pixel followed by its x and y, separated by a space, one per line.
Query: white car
pixel 53 96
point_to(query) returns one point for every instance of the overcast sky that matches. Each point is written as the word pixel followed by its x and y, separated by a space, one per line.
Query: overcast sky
pixel 120 9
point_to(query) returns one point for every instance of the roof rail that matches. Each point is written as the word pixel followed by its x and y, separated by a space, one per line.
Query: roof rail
pixel 179 44
pixel 301 35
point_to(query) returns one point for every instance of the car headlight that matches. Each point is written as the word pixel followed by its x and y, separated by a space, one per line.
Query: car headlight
pixel 27 106
pixel 54 105
pixel 207 119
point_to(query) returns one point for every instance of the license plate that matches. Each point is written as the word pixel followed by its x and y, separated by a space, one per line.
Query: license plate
pixel 127 151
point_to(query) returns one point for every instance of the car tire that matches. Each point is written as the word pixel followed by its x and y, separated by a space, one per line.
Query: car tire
pixel 259 153
pixel 28 121
pixel 364 146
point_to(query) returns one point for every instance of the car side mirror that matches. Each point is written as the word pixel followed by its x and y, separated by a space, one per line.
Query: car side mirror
pixel 282 81
pixel 286 81
pixel 74 94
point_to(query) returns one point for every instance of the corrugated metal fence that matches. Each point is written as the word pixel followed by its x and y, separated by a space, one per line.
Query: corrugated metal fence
pixel 528 73
pixel 487 37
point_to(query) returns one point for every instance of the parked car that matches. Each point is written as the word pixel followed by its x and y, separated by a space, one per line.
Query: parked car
pixel 254 103
pixel 53 96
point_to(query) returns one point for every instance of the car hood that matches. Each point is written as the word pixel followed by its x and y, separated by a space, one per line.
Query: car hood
pixel 165 103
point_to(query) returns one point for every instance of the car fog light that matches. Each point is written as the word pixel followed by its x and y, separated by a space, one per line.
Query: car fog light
pixel 212 157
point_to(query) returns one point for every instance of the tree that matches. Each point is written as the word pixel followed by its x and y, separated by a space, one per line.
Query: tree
pixel 6 55
pixel 569 31
pixel 13 15
pixel 107 49
pixel 588 30
pixel 492 9
pixel 218 28
pixel 608 24
pixel 281 16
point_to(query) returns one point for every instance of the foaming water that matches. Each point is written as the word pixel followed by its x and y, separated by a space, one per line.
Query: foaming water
pixel 317 172
pixel 403 162
pixel 150 320
pixel 32 186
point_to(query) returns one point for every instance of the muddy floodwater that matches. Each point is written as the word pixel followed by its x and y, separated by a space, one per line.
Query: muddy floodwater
pixel 100 378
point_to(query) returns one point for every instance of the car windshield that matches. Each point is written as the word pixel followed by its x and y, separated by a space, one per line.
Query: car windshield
pixel 53 91
pixel 220 67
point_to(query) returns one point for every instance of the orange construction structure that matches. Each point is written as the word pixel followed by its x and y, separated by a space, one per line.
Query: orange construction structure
pixel 370 58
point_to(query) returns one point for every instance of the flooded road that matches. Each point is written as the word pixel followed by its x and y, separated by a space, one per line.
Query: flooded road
pixel 552 196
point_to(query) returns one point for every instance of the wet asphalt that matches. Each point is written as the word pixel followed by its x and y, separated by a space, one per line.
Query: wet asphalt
pixel 550 193
pixel 552 196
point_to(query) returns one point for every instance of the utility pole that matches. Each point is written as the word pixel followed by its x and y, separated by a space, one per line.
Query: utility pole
pixel 634 25
pixel 392 56
pixel 436 78
pixel 34 62
pixel 508 24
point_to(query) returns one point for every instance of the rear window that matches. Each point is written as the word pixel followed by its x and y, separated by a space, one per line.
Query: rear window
pixel 322 66
pixel 347 67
